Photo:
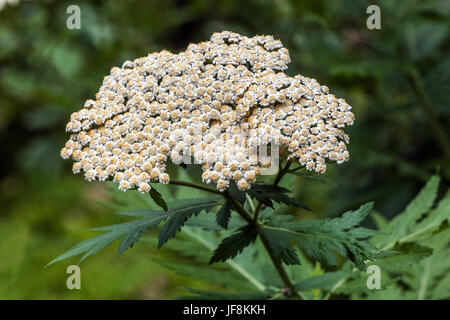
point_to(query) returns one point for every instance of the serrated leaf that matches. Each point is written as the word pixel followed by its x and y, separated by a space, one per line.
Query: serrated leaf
pixel 323 239
pixel 248 264
pixel 280 244
pixel 282 198
pixel 180 215
pixel 404 257
pixel 236 194
pixel 420 238
pixel 224 215
pixel 433 220
pixel 208 222
pixel 197 245
pixel 157 197
pixel 405 225
pixel 351 219
pixel 234 244
pixel 131 231
pixel 265 194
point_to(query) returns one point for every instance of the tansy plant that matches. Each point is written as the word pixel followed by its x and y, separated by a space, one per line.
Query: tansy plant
pixel 224 104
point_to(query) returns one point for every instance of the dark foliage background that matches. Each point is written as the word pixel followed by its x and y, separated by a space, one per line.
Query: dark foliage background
pixel 396 79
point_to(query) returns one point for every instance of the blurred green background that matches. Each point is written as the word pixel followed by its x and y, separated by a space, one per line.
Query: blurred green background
pixel 396 79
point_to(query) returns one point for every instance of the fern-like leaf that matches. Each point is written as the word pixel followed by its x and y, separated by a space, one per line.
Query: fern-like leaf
pixel 406 224
pixel 131 231
pixel 181 214
pixel 322 239
pixel 157 197
pixel 224 215
pixel 266 193
pixel 234 244
pixel 421 239
pixel 280 244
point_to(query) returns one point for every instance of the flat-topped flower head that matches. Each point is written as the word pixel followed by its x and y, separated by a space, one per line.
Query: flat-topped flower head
pixel 217 102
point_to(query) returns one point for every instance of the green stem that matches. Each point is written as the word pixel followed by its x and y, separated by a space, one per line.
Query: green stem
pixel 277 180
pixel 253 221
pixel 196 186
pixel 280 268
pixel 278 265
pixel 239 208
pixel 257 211
pixel 276 262
pixel 281 173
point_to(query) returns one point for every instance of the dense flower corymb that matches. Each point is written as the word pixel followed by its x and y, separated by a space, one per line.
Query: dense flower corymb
pixel 216 102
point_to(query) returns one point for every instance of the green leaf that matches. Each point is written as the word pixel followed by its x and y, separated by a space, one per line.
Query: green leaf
pixel 234 244
pixel 280 243
pixel 195 246
pixel 226 277
pixel 208 222
pixel 199 245
pixel 405 226
pixel 266 193
pixel 180 215
pixel 131 231
pixel 236 194
pixel 434 219
pixel 325 281
pixel 427 279
pixel 442 288
pixel 224 215
pixel 406 255
pixel 420 238
pixel 351 219
pixel 323 239
pixel 156 196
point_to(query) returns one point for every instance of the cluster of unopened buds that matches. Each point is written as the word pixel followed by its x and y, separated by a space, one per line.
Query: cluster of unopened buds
pixel 217 102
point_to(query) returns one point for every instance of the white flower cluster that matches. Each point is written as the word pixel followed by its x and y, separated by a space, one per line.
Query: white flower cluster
pixel 216 102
